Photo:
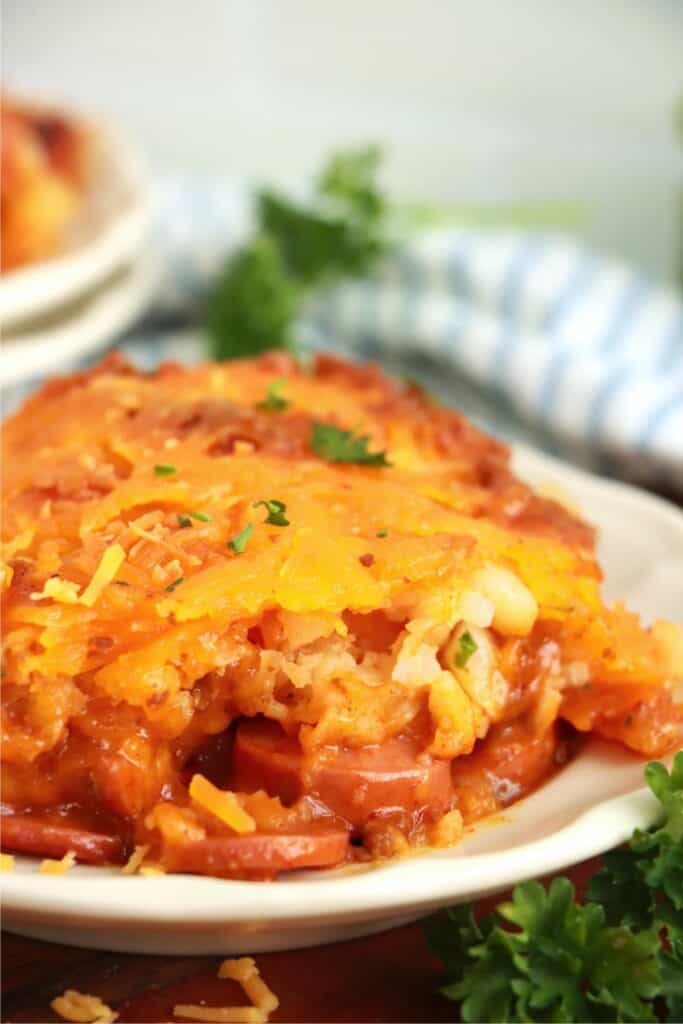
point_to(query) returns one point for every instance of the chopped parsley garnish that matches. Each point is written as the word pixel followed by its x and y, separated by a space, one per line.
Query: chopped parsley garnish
pixel 274 401
pixel 120 583
pixel 276 511
pixel 163 469
pixel 543 956
pixel 239 542
pixel 184 521
pixel 201 516
pixel 466 648
pixel 335 445
pixel 382 533
pixel 176 583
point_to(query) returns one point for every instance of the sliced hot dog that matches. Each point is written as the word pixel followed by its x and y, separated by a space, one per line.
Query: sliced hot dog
pixel 509 763
pixel 25 834
pixel 262 854
pixel 352 783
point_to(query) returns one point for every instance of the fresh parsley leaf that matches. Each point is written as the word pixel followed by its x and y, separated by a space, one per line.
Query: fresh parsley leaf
pixel 339 232
pixel 176 583
pixel 200 516
pixel 184 521
pixel 239 542
pixel 253 306
pixel 544 957
pixel 335 445
pixel 274 401
pixel 276 511
pixel 467 645
pixel 165 470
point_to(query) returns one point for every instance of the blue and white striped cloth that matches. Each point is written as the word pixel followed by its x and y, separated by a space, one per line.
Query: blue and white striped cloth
pixel 532 335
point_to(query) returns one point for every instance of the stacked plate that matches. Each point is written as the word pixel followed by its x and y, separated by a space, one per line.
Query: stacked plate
pixel 57 312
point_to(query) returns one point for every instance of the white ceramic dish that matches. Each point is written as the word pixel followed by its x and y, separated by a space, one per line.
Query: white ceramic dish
pixel 593 804
pixel 60 339
pixel 108 233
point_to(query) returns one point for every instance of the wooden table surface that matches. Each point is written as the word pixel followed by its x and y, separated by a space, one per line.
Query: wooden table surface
pixel 392 977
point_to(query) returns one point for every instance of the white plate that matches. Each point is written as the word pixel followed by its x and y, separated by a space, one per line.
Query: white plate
pixel 109 231
pixel 60 339
pixel 593 804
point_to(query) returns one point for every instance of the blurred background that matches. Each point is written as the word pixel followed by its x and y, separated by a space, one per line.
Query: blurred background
pixel 545 138
pixel 567 102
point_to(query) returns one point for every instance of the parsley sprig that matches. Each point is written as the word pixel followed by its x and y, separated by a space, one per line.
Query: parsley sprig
pixel 544 957
pixel 296 246
pixel 335 445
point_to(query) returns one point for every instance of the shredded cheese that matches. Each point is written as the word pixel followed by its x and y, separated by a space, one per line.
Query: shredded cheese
pixel 223 804
pixel 83 1009
pixel 135 860
pixel 57 867
pixel 151 870
pixel 110 563
pixel 245 971
pixel 6 862
pixel 221 1014
pixel 63 591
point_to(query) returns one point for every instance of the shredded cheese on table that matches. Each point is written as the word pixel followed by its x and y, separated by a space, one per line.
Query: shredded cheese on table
pixel 6 862
pixel 221 1014
pixel 58 867
pixel 83 1009
pixel 244 971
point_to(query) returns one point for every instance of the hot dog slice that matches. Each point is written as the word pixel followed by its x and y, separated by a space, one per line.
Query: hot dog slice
pixel 25 834
pixel 352 783
pixel 261 854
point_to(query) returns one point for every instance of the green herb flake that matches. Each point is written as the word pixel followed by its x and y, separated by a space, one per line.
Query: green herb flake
pixel 335 445
pixel 176 583
pixel 274 401
pixel 239 542
pixel 120 583
pixel 276 511
pixel 382 533
pixel 163 469
pixel 184 521
pixel 200 516
pixel 467 645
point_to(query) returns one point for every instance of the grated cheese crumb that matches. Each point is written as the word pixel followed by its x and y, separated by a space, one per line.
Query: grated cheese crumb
pixel 448 830
pixel 135 860
pixel 223 804
pixel 63 591
pixel 83 1009
pixel 110 563
pixel 6 862
pixel 151 870
pixel 57 867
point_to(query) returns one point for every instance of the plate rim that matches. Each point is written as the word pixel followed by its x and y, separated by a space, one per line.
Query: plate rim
pixel 100 316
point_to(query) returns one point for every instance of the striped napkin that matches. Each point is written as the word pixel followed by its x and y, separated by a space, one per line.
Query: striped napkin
pixel 531 334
